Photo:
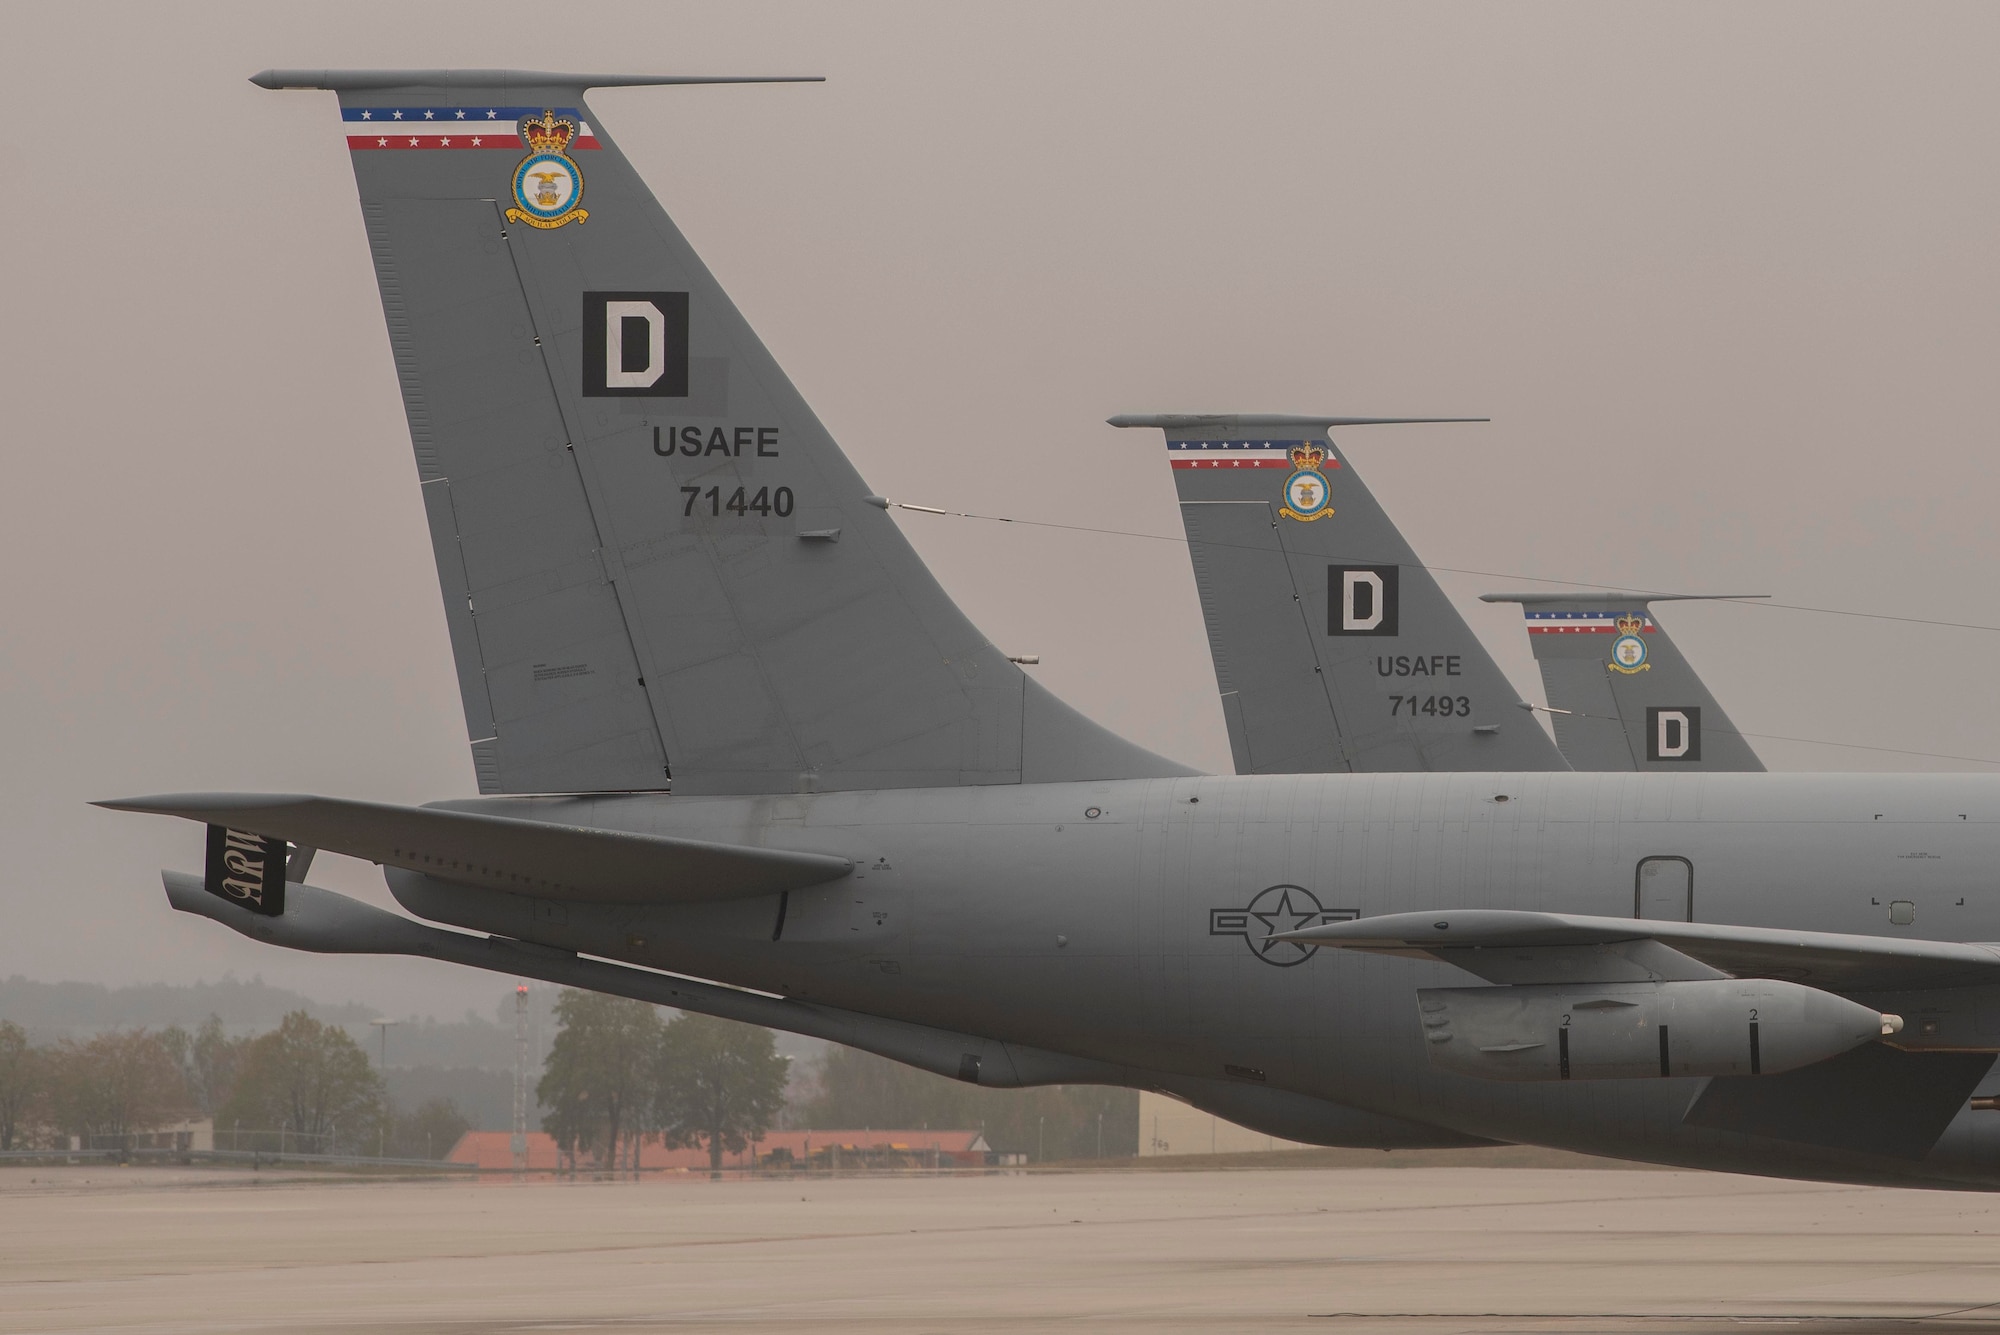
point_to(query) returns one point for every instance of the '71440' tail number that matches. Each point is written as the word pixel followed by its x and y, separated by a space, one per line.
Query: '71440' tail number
pixel 767 501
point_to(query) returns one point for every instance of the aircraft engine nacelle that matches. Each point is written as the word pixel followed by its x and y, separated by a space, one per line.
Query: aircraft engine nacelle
pixel 1627 1031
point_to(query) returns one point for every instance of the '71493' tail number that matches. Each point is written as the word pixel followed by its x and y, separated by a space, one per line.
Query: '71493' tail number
pixel 1434 706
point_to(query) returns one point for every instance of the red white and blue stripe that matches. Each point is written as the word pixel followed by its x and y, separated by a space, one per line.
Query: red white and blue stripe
pixel 1239 454
pixel 1582 623
pixel 450 127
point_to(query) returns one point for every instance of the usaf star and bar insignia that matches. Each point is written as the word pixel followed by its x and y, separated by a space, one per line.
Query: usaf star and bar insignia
pixel 547 184
pixel 1281 908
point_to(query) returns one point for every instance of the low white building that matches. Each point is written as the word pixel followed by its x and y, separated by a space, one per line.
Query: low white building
pixel 1168 1126
pixel 190 1134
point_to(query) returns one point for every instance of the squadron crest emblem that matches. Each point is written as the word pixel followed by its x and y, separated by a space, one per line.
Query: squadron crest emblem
pixel 548 185
pixel 1628 651
pixel 1306 492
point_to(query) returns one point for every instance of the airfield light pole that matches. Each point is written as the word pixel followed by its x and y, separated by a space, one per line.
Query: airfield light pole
pixel 382 1063
pixel 520 1141
pixel 382 1031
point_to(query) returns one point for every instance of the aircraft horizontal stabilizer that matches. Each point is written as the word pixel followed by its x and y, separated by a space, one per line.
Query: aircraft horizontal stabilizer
pixel 482 80
pixel 1518 946
pixel 1267 421
pixel 530 857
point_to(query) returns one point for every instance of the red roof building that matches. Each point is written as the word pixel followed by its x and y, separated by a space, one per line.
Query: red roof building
pixel 492 1151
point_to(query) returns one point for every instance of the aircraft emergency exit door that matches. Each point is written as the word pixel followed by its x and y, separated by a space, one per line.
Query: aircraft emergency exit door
pixel 1665 890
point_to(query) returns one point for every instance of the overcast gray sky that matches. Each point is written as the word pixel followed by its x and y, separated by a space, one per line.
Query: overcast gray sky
pixel 1724 276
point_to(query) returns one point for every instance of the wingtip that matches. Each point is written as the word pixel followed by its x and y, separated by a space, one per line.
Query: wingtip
pixel 275 80
pixel 198 806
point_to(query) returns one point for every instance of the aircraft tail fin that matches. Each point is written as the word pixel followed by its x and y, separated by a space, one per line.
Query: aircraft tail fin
pixel 1335 649
pixel 1621 693
pixel 655 561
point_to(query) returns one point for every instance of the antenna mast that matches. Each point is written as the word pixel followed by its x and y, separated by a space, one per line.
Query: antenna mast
pixel 520 1077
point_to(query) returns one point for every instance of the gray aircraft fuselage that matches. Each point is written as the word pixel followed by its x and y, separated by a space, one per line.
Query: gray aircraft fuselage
pixel 1011 911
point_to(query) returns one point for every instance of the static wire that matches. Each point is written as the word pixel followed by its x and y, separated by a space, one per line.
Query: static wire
pixel 1567 583
pixel 1756 600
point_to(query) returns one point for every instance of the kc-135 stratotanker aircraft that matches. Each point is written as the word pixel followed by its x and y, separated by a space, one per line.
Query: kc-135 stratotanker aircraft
pixel 657 567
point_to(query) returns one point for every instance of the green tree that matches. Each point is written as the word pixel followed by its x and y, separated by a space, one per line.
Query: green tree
pixel 717 1083
pixel 312 1080
pixel 430 1132
pixel 209 1061
pixel 114 1086
pixel 859 1089
pixel 596 1082
pixel 20 1081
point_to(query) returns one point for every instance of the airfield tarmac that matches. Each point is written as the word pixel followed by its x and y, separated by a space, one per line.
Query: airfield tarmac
pixel 1409 1250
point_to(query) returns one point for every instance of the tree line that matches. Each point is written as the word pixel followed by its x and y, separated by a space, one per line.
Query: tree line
pixel 305 1086
pixel 617 1075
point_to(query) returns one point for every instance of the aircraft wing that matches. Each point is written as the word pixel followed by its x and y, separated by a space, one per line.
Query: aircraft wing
pixel 1519 946
pixel 528 857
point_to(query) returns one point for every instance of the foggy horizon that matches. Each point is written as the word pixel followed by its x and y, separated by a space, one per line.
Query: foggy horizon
pixel 1723 278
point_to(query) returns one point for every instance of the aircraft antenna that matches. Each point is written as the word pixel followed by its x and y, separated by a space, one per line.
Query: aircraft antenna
pixel 520 1142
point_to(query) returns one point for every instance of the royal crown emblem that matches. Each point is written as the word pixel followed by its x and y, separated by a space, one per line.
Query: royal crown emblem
pixel 548 133
pixel 1306 492
pixel 548 185
pixel 1628 651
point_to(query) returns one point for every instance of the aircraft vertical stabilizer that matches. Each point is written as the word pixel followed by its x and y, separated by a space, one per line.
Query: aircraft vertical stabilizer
pixel 1621 694
pixel 656 563
pixel 1335 650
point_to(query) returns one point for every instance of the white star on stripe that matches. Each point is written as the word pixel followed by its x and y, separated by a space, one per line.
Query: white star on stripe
pixel 475 141
pixel 491 114
pixel 430 115
pixel 398 115
pixel 413 142
pixel 366 115
pixel 461 115
pixel 381 143
pixel 445 142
